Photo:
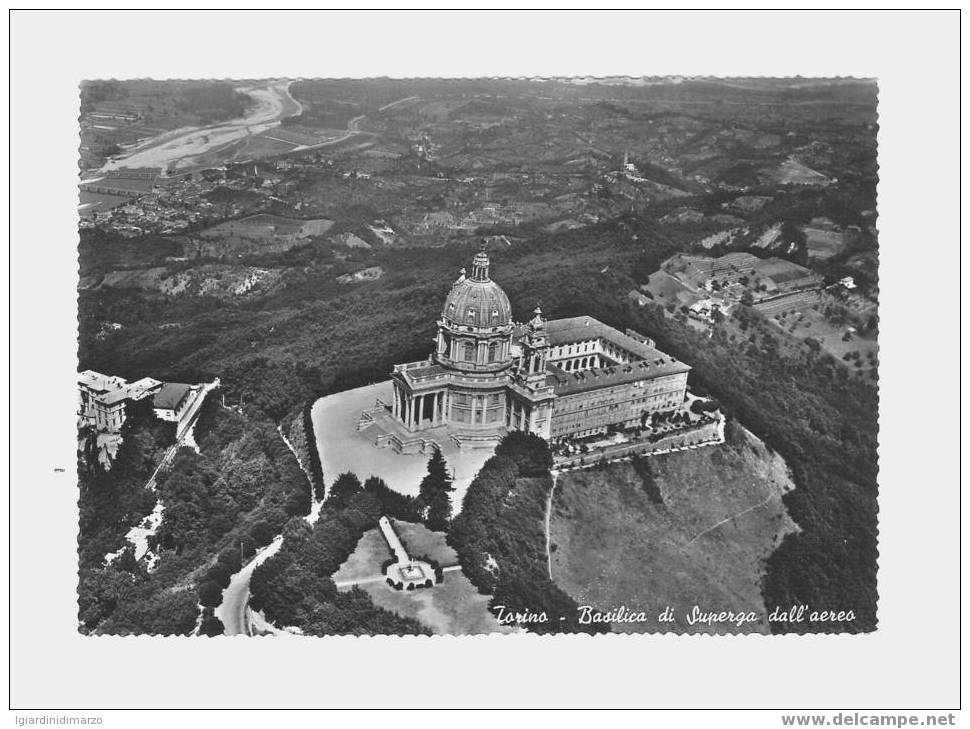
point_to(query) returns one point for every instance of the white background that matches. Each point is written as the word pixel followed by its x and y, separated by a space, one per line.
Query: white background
pixel 909 663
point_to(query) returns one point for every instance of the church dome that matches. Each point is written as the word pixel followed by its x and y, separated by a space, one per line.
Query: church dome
pixel 477 300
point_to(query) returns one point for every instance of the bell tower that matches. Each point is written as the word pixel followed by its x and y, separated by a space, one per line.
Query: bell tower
pixel 535 351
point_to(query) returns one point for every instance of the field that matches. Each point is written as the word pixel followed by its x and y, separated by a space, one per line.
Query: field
pixel 811 324
pixel 268 226
pixel 822 244
pixel 94 202
pixel 126 184
pixel 453 607
pixel 705 544
pixel 419 541
pixel 793 172
pixel 666 289
pixel 365 562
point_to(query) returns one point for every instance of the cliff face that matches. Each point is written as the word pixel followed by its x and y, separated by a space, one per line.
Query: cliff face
pixel 236 246
pixel 220 281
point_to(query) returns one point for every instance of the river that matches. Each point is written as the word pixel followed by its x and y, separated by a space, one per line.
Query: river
pixel 181 147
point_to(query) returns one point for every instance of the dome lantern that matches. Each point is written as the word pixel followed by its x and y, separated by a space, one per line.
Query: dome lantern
pixel 480 265
pixel 477 302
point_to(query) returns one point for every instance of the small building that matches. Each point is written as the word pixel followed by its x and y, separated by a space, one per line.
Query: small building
pixel 172 401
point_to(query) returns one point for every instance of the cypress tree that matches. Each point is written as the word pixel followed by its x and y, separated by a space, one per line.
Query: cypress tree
pixel 434 501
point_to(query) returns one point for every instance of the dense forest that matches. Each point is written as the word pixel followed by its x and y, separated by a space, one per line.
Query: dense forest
pixel 219 506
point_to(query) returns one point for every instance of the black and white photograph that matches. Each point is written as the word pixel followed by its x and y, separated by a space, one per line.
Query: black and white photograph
pixel 444 357
pixel 455 356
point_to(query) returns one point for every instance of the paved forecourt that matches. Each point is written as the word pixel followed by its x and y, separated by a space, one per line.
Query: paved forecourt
pixel 343 448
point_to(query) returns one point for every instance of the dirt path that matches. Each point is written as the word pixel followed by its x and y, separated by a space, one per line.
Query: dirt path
pixel 724 521
pixel 552 491
pixel 399 101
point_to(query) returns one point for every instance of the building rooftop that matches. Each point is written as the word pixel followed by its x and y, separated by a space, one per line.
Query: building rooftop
pixel 110 389
pixel 431 370
pixel 171 394
pixel 100 383
pixel 652 362
pixel 582 328
pixel 570 383
pixel 138 388
pixel 115 396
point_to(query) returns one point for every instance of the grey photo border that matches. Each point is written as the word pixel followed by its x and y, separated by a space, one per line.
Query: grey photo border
pixel 38 627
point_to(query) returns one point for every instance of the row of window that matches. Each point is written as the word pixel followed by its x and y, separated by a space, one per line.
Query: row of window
pixel 460 415
pixel 471 313
pixel 468 352
pixel 567 349
pixel 465 399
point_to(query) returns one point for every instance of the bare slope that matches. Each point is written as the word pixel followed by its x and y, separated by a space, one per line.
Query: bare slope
pixel 705 544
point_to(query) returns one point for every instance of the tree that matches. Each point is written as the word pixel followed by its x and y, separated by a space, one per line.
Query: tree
pixel 212 626
pixel 434 501
pixel 219 573
pixel 262 533
pixel 210 594
pixel 344 489
pixel 391 502
pixel 439 512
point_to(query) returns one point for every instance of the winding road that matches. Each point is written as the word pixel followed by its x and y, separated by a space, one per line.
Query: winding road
pixel 234 610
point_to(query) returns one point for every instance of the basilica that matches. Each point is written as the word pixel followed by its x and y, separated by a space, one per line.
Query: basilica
pixel 557 378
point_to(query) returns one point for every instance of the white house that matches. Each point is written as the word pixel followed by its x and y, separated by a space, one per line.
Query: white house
pixel 104 398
